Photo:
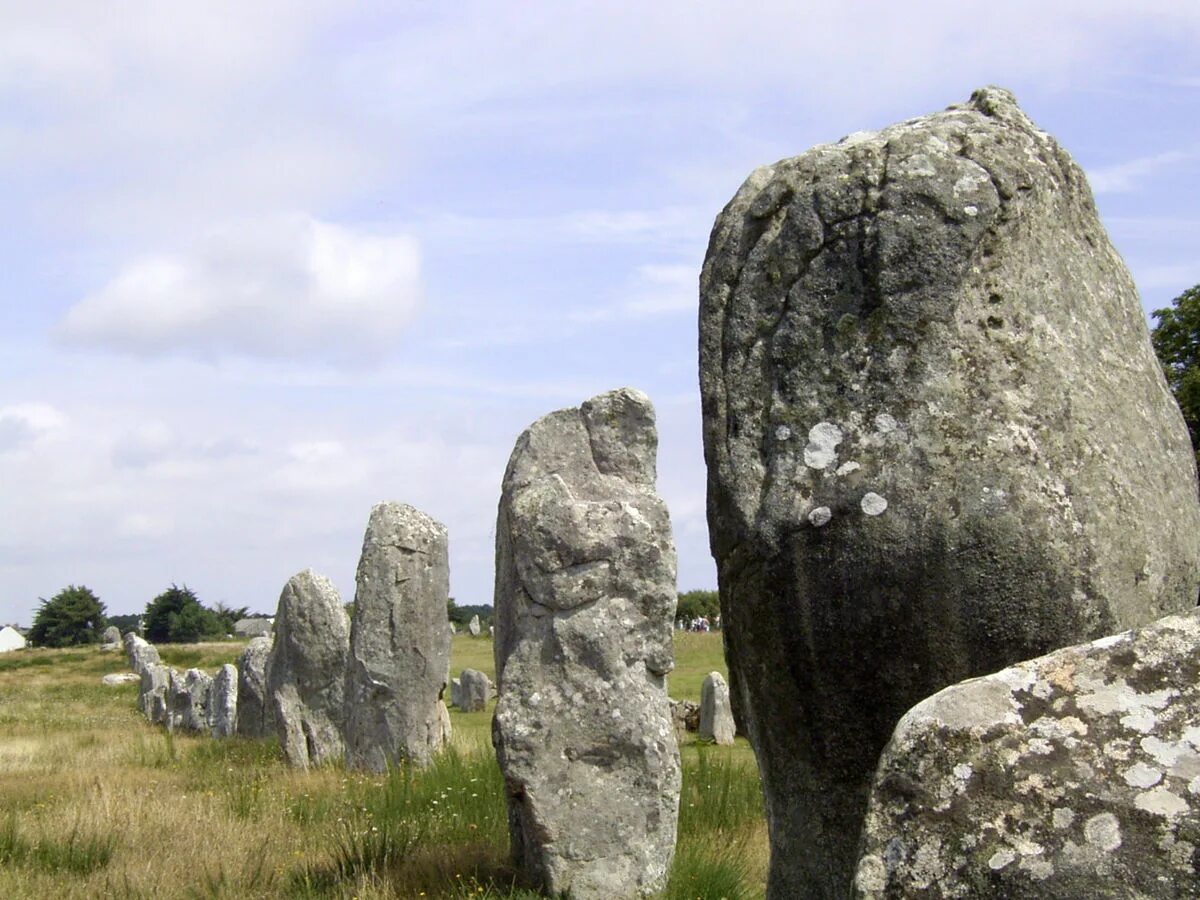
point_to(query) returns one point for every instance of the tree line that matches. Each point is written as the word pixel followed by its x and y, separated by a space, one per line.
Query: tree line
pixel 76 616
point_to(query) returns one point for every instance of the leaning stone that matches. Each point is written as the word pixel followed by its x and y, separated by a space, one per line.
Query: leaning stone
pixel 938 442
pixel 443 715
pixel 223 702
pixel 255 715
pixel 119 678
pixel 716 717
pixel 306 670
pixel 473 626
pixel 1072 775
pixel 475 691
pixel 585 597
pixel 140 653
pixel 399 646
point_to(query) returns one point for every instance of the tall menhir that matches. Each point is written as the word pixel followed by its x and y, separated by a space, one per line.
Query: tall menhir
pixel 938 442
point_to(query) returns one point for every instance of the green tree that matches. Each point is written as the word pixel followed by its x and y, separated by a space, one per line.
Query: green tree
pixel 694 604
pixel 176 616
pixel 72 616
pixel 1176 338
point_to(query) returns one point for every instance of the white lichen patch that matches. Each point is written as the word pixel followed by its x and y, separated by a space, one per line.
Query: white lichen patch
pixel 782 433
pixel 885 424
pixel 1103 831
pixel 873 504
pixel 1142 721
pixel 823 439
pixel 847 467
pixel 1140 775
pixel 1161 802
pixel 1001 858
pixel 820 516
pixel 1062 818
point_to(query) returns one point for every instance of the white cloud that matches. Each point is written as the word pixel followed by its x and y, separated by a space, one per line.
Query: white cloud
pixel 23 423
pixel 1127 176
pixel 657 290
pixel 283 286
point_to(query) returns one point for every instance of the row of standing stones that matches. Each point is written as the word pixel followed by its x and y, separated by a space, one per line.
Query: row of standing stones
pixel 939 449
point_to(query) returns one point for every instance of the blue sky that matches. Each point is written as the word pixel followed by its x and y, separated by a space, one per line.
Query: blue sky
pixel 266 264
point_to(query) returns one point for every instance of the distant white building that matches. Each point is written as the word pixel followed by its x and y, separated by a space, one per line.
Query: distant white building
pixel 10 639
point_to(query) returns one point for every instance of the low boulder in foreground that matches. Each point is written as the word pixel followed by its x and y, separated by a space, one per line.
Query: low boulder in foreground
pixel 1074 775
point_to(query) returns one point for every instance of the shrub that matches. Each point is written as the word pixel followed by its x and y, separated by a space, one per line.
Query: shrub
pixel 176 616
pixel 72 616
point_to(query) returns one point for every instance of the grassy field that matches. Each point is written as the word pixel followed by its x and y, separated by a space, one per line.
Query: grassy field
pixel 96 802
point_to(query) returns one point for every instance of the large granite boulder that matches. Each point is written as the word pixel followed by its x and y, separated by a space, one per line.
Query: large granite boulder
pixel 938 442
pixel 399 645
pixel 306 670
pixel 255 714
pixel 475 689
pixel 585 596
pixel 1075 775
pixel 716 716
pixel 223 702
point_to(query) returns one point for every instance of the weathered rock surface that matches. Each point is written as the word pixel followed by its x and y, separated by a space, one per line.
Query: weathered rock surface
pixel 938 442
pixel 152 693
pixel 255 714
pixel 473 626
pixel 117 679
pixel 223 702
pixel 716 717
pixel 585 596
pixel 686 715
pixel 306 670
pixel 1075 775
pixel 187 700
pixel 257 627
pixel 399 645
pixel 140 653
pixel 475 690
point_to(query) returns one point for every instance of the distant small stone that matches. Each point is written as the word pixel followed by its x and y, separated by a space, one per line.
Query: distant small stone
pixel 223 702
pixel 120 678
pixel 475 689
pixel 473 626
pixel 716 714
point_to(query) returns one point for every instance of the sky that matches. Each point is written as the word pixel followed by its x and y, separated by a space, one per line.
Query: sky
pixel 266 264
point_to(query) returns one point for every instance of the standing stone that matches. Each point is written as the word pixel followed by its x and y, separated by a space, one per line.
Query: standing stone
pixel 111 638
pixel 456 699
pixel 140 653
pixel 938 441
pixel 716 717
pixel 223 702
pixel 473 626
pixel 1071 775
pixel 306 670
pixel 399 646
pixel 153 693
pixel 255 716
pixel 187 700
pixel 585 596
pixel 475 690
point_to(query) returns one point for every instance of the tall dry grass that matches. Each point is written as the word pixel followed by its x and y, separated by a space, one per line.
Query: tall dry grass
pixel 96 802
